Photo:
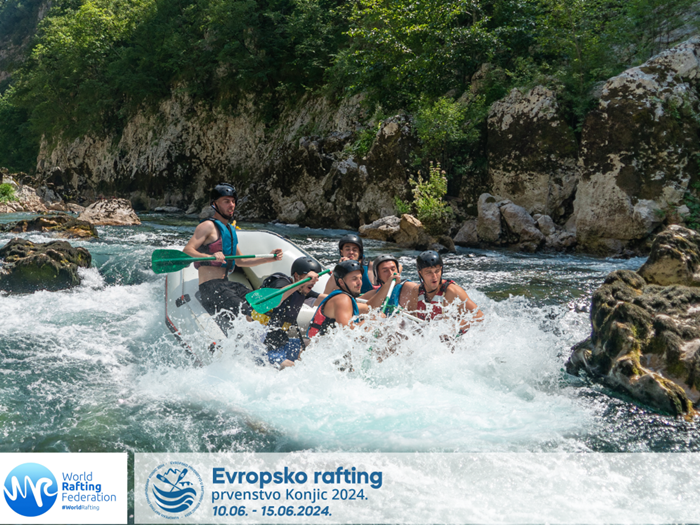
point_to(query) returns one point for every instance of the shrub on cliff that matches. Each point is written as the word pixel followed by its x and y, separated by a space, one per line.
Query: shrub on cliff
pixel 7 193
pixel 428 204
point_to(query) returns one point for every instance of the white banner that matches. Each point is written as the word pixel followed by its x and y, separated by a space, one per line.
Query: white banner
pixel 71 488
pixel 417 488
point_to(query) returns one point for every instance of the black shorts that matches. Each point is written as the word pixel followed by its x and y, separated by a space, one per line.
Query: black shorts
pixel 222 295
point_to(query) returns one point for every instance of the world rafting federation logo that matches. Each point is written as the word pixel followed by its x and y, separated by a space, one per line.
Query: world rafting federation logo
pixel 174 490
pixel 30 489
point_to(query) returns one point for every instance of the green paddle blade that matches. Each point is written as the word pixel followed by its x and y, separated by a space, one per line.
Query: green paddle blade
pixel 166 261
pixel 266 299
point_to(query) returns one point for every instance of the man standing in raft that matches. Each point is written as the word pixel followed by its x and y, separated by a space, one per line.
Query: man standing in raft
pixel 340 306
pixel 434 293
pixel 217 237
pixel 351 249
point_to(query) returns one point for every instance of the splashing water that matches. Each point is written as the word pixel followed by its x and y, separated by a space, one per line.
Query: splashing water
pixel 94 368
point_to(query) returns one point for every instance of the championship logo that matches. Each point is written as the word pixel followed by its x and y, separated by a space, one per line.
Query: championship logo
pixel 30 489
pixel 174 490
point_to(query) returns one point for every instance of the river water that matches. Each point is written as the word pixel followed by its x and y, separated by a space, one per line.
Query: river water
pixel 95 368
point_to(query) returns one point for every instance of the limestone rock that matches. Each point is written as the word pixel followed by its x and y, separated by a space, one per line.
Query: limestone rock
pixel 488 223
pixel 645 341
pixel 27 267
pixel 560 241
pixel 29 201
pixel 384 229
pixel 110 212
pixel 522 227
pixel 533 153
pixel 61 225
pixel 674 258
pixel 545 224
pixel 637 150
pixel 467 234
pixel 75 208
pixel 412 234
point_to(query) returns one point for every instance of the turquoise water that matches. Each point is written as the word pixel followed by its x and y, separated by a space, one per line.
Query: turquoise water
pixel 95 369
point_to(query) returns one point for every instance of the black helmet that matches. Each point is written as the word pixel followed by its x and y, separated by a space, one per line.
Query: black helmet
pixel 352 239
pixel 382 259
pixel 428 259
pixel 305 265
pixel 224 189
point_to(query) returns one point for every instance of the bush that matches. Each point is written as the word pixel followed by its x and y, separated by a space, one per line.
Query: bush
pixel 427 203
pixel 7 193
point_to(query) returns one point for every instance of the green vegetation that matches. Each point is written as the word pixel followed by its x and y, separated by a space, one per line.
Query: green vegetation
pixel 692 200
pixel 7 193
pixel 428 204
pixel 94 63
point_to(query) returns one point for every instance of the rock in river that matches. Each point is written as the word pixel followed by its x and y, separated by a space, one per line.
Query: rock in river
pixel 110 212
pixel 28 267
pixel 61 225
pixel 645 338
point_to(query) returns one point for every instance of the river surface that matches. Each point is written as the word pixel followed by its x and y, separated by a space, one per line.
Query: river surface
pixel 95 368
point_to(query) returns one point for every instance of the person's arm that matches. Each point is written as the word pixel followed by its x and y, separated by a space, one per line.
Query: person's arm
pixel 457 293
pixel 330 285
pixel 288 293
pixel 340 308
pixel 410 299
pixel 247 263
pixel 201 233
pixel 378 299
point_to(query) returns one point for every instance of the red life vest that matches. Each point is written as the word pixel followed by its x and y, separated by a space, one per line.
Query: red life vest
pixel 430 309
pixel 320 323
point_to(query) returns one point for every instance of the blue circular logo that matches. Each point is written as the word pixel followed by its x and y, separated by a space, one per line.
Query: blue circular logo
pixel 174 490
pixel 30 489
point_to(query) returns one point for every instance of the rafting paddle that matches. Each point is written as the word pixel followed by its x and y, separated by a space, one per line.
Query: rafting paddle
pixel 166 261
pixel 266 299
pixel 388 296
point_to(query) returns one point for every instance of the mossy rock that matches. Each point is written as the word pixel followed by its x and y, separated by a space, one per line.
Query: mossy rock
pixel 62 225
pixel 645 338
pixel 27 267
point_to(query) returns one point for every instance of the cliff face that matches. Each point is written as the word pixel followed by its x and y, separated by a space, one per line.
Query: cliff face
pixel 626 178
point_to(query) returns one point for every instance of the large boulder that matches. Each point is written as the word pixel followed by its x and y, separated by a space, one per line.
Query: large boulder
pixel 674 258
pixel 533 153
pixel 110 212
pixel 467 234
pixel 61 225
pixel 412 234
pixel 384 229
pixel 645 338
pixel 27 267
pixel 521 227
pixel 638 151
pixel 488 222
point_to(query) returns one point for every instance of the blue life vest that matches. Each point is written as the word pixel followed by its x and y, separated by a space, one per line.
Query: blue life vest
pixel 394 299
pixel 366 283
pixel 227 243
pixel 320 323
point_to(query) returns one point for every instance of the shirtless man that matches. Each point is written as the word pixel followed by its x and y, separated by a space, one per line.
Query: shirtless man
pixel 217 237
pixel 428 299
pixel 340 305
pixel 351 249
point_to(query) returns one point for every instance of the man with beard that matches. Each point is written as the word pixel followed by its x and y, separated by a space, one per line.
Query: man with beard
pixel 216 237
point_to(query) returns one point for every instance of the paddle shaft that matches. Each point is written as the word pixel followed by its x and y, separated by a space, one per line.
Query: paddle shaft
pixel 228 257
pixel 286 289
pixel 388 296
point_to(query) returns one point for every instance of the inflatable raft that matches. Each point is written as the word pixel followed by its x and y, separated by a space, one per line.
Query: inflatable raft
pixel 187 319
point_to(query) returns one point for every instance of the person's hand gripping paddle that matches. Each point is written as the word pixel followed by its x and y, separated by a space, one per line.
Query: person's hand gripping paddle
pixel 166 261
pixel 265 299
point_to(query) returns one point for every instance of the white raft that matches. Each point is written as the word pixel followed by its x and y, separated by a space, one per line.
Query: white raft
pixel 189 321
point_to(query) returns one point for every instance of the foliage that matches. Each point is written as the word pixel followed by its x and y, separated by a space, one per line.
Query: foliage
pixel 692 200
pixel 365 140
pixel 401 206
pixel 7 193
pixel 18 146
pixel 428 202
